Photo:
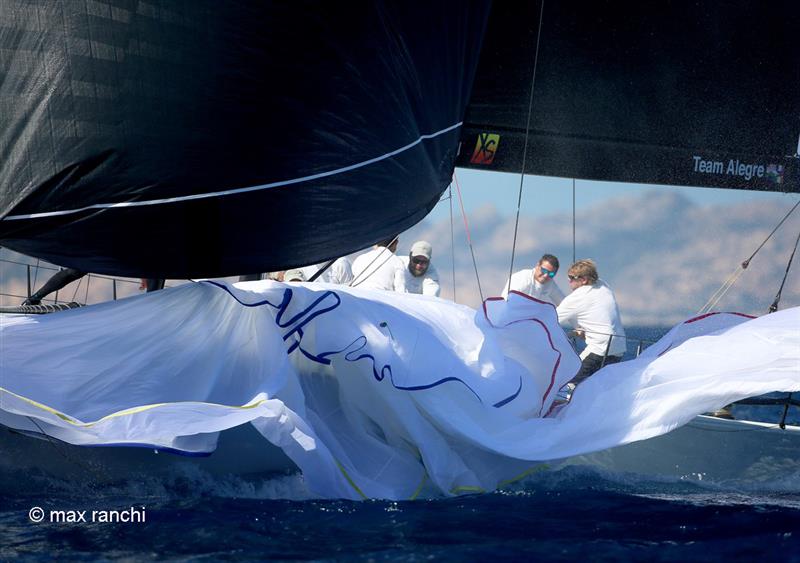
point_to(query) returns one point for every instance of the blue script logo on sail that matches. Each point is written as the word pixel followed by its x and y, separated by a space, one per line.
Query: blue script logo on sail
pixel 735 167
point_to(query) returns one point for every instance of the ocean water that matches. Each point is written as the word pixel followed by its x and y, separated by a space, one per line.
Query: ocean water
pixel 567 514
pixel 562 515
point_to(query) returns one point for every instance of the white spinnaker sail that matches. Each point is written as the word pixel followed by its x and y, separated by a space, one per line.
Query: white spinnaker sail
pixel 380 394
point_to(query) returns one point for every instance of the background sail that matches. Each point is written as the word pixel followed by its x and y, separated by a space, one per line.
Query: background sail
pixel 203 138
pixel 682 93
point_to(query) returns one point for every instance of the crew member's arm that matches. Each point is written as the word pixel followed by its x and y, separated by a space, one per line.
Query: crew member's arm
pixel 567 310
pixel 430 286
pixel 399 275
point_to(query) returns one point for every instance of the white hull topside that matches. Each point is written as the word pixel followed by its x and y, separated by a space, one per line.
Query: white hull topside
pixel 706 449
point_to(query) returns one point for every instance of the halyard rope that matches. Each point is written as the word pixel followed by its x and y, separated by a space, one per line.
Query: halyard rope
pixel 452 243
pixel 723 289
pixel 525 148
pixel 469 238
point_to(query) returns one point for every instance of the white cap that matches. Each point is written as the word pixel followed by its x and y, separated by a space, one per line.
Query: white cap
pixel 422 248
pixel 294 275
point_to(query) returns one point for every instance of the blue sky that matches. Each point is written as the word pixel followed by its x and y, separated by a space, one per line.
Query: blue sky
pixel 544 195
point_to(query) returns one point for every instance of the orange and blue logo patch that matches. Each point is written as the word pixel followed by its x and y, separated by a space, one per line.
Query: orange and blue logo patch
pixel 485 148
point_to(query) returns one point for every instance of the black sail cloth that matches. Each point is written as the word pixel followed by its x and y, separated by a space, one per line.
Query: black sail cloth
pixel 681 93
pixel 200 139
pixel 187 139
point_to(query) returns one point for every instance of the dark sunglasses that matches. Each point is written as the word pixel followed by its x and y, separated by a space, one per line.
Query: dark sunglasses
pixel 547 272
pixel 574 278
pixel 420 260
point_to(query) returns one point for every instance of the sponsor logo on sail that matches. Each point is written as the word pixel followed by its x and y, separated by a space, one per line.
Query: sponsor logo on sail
pixel 775 173
pixel 485 148
pixel 739 168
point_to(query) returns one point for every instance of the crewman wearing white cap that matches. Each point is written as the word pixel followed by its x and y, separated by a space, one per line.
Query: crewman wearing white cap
pixel 295 275
pixel 421 276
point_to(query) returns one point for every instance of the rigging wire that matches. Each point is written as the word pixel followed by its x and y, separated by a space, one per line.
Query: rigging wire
pixel 728 283
pixel 574 257
pixel 35 275
pixel 525 147
pixel 355 281
pixel 77 288
pixel 86 294
pixel 98 470
pixel 774 306
pixel 321 271
pixel 721 291
pixel 452 243
pixel 778 226
pixel 787 403
pixel 469 238
pixel 41 265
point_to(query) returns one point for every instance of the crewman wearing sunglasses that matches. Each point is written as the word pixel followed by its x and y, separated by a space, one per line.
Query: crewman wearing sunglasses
pixel 538 281
pixel 592 309
pixel 421 276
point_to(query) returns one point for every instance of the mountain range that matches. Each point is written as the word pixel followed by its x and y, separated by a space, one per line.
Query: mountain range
pixel 663 255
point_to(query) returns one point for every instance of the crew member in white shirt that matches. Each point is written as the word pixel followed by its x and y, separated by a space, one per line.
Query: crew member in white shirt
pixel 538 281
pixel 592 309
pixel 340 272
pixel 380 268
pixel 294 275
pixel 420 275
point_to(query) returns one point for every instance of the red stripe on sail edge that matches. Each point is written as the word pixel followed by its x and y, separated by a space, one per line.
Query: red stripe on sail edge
pixel 549 337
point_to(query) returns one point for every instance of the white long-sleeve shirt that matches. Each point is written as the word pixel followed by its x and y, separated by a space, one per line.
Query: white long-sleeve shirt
pixel 593 308
pixel 340 272
pixel 523 282
pixel 379 268
pixel 426 284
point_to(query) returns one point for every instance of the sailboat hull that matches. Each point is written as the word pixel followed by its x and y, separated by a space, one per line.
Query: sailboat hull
pixel 707 449
pixel 241 451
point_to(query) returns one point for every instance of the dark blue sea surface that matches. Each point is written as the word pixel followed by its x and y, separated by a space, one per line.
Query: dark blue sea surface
pixel 561 515
pixel 567 514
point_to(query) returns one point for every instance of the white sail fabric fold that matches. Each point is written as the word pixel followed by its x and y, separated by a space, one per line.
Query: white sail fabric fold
pixel 371 394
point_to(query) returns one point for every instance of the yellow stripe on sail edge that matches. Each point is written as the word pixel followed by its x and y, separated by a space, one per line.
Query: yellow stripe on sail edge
pixel 125 412
pixel 501 484
pixel 349 480
pixel 357 489
pixel 531 471
pixel 421 484
pixel 143 408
